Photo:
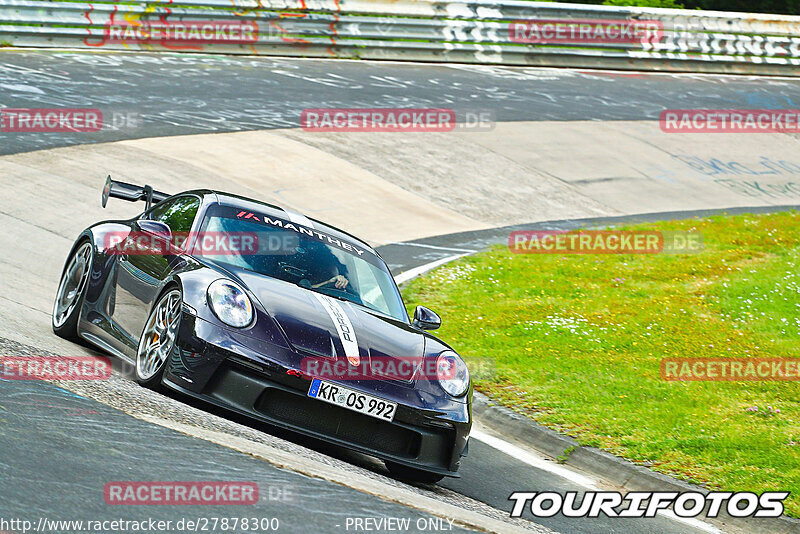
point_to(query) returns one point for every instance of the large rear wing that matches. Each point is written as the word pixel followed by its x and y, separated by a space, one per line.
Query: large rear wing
pixel 131 192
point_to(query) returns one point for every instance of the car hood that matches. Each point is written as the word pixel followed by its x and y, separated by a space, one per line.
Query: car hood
pixel 313 323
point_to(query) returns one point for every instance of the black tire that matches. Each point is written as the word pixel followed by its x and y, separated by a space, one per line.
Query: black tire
pixel 410 474
pixel 72 291
pixel 151 354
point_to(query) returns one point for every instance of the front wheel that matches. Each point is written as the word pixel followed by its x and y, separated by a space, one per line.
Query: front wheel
pixel 409 474
pixel 158 339
pixel 71 291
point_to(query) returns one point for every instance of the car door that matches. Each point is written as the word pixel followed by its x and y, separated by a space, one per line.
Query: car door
pixel 140 274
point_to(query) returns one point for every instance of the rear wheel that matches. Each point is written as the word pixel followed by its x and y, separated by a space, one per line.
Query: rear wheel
pixel 71 291
pixel 158 339
pixel 409 474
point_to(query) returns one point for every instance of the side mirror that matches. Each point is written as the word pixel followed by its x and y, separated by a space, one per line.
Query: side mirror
pixel 156 228
pixel 426 319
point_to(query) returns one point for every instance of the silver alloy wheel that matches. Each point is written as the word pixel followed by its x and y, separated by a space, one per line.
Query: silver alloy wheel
pixel 72 284
pixel 159 335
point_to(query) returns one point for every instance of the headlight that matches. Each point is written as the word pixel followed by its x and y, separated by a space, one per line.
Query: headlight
pixel 230 303
pixel 452 373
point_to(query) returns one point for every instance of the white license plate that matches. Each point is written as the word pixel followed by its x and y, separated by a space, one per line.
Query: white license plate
pixel 352 400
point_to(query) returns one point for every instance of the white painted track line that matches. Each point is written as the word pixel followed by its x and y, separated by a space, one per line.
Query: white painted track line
pixel 417 271
pixel 539 463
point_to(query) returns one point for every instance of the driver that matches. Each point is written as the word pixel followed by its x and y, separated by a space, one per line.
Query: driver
pixel 323 267
pixel 339 280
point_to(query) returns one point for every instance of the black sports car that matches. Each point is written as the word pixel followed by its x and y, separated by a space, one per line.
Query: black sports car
pixel 273 315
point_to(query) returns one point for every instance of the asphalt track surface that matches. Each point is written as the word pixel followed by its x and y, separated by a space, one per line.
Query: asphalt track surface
pixel 73 446
pixel 58 447
pixel 173 94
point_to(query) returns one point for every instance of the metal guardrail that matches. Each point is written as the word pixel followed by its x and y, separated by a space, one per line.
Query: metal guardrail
pixel 472 31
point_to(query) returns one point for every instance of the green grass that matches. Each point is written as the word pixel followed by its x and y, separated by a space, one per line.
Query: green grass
pixel 577 341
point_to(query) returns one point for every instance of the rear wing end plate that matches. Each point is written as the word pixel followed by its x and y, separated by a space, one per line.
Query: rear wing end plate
pixel 131 193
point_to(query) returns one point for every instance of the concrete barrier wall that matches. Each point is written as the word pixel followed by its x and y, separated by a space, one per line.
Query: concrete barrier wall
pixel 472 31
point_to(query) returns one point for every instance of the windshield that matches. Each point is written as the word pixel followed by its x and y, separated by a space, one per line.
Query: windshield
pixel 303 256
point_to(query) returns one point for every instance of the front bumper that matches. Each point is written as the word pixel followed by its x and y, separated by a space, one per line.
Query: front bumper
pixel 262 380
